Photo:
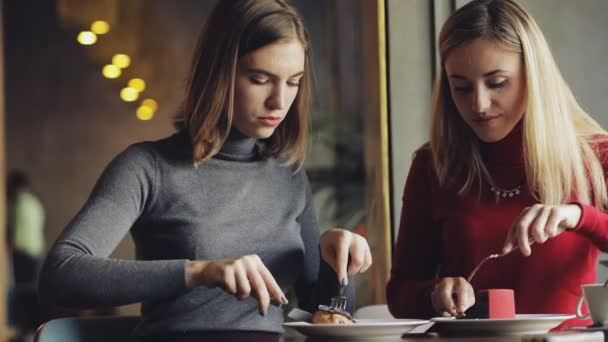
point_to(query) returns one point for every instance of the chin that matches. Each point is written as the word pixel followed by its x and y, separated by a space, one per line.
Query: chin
pixel 263 133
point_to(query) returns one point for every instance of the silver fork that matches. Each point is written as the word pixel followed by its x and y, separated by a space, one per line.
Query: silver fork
pixel 492 256
pixel 337 304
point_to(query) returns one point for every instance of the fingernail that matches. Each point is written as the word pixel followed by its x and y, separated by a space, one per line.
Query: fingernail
pixel 263 312
pixel 345 281
pixel 284 300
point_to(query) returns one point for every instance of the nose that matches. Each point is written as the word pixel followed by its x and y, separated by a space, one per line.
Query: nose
pixel 276 100
pixel 481 101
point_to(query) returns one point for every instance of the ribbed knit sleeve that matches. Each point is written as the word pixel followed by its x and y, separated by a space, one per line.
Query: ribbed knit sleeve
pixel 78 271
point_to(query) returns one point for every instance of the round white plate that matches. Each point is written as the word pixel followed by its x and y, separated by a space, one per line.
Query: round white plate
pixel 364 329
pixel 521 324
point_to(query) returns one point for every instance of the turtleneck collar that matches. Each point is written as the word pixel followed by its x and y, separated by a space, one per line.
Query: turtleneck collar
pixel 508 151
pixel 238 147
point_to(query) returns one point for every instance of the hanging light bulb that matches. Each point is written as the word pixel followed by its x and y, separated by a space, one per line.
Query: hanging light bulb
pixel 111 71
pixel 121 60
pixel 129 94
pixel 87 38
pixel 100 27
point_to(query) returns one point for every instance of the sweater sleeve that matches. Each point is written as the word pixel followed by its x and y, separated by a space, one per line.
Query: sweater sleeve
pixel 317 282
pixel 593 223
pixel 417 256
pixel 78 271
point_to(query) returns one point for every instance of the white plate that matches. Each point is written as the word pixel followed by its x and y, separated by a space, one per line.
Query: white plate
pixel 364 329
pixel 521 324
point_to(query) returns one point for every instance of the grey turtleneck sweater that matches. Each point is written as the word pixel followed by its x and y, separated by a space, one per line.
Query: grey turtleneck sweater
pixel 234 204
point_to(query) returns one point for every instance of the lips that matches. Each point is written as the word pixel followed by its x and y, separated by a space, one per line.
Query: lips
pixel 485 118
pixel 270 121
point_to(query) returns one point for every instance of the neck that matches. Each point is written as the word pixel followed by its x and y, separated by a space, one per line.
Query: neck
pixel 238 147
pixel 508 151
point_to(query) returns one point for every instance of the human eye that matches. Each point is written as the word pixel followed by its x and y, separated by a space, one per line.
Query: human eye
pixel 258 79
pixel 293 83
pixel 461 88
pixel 497 84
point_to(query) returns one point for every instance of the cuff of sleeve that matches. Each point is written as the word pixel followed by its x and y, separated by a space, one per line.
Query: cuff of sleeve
pixel 588 217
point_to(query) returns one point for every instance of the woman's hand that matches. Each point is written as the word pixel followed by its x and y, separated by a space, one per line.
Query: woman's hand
pixel 346 252
pixel 240 276
pixel 452 296
pixel 541 223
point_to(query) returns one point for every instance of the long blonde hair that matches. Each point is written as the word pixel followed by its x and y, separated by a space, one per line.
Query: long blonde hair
pixel 233 29
pixel 560 139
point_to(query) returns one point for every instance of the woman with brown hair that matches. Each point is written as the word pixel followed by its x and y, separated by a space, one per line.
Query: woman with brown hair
pixel 221 212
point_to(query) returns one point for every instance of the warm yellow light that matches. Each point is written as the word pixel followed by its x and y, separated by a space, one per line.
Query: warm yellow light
pixel 129 94
pixel 121 60
pixel 144 113
pixel 100 27
pixel 138 84
pixel 87 38
pixel 150 103
pixel 111 71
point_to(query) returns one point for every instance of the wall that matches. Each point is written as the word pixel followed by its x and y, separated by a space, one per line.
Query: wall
pixel 411 58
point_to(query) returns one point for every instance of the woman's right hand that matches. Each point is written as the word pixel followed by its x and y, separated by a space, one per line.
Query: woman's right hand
pixel 240 276
pixel 452 296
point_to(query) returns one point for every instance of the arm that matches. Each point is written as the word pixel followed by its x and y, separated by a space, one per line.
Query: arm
pixel 78 271
pixel 317 282
pixel 593 224
pixel 417 253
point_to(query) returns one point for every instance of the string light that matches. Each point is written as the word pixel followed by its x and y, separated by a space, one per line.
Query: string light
pixel 86 38
pixel 100 27
pixel 150 103
pixel 144 113
pixel 121 60
pixel 129 94
pixel 111 71
pixel 138 84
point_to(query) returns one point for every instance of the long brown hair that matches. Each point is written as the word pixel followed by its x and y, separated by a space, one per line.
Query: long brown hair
pixel 560 138
pixel 234 29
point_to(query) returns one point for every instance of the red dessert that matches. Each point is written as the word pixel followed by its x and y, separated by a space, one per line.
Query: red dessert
pixel 493 303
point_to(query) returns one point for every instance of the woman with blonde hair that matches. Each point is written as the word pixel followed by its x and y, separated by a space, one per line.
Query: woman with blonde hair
pixel 221 212
pixel 513 162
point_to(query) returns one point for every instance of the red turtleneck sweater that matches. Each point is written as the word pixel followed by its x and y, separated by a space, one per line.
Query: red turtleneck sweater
pixel 443 234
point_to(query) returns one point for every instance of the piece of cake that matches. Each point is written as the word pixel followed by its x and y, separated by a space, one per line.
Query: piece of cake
pixel 322 316
pixel 493 303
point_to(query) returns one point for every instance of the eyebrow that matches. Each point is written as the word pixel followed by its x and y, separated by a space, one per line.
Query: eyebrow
pixel 487 74
pixel 269 74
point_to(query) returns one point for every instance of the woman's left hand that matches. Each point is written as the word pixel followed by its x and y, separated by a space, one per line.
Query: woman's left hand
pixel 337 245
pixel 541 222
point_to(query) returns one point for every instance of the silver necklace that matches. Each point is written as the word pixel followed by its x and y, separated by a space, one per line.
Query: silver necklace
pixel 504 193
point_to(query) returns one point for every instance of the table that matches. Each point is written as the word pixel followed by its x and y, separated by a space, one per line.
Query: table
pixel 419 337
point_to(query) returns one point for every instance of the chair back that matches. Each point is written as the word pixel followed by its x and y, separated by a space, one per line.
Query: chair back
pixel 88 329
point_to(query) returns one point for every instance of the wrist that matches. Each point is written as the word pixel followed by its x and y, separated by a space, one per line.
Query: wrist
pixel 575 217
pixel 193 272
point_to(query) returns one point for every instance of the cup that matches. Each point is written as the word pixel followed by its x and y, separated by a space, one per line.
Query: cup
pixel 596 297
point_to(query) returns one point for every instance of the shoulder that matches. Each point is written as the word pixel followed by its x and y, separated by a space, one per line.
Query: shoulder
pixel 599 144
pixel 147 153
pixel 423 157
